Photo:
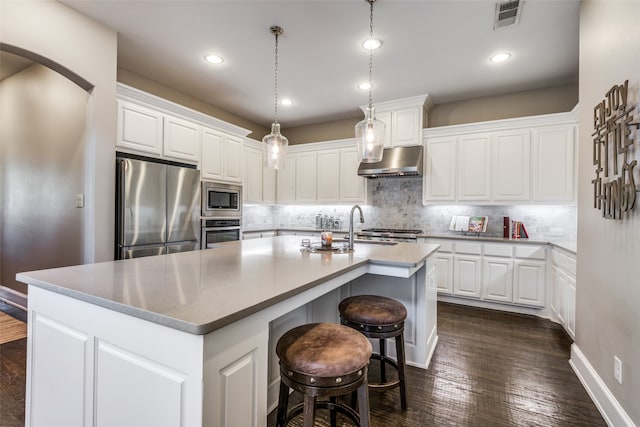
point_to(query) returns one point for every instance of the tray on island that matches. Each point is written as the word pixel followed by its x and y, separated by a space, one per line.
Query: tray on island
pixel 340 249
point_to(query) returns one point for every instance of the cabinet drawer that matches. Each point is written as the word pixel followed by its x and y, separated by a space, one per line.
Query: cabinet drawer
pixel 530 251
pixel 468 248
pixel 491 249
pixel 571 265
pixel 445 245
pixel 559 259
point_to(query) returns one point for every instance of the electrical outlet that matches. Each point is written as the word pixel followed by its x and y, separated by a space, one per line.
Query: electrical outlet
pixel 617 369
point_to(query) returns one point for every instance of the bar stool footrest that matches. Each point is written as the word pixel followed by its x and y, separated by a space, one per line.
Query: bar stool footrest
pixel 337 407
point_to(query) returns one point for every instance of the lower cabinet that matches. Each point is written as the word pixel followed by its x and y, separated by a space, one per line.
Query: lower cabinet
pixel 563 289
pixel 494 272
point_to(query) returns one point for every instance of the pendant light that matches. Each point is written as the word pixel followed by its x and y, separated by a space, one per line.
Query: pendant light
pixel 370 131
pixel 275 144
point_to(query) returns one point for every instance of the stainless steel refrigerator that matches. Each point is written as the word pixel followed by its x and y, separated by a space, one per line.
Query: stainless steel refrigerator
pixel 157 207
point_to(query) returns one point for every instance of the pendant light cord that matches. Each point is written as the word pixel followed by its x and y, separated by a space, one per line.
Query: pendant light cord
pixel 277 31
pixel 370 52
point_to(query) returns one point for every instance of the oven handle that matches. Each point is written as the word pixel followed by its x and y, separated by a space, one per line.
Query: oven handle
pixel 220 228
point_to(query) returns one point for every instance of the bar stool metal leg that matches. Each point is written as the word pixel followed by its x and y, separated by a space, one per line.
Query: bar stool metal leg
pixel 401 368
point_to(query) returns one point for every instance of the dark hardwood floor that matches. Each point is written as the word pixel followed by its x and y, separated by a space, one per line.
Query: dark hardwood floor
pixel 490 369
pixel 13 374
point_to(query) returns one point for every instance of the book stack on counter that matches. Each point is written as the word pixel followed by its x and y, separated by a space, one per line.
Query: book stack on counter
pixel 514 229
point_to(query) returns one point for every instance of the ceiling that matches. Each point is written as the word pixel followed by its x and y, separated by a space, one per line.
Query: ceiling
pixel 435 47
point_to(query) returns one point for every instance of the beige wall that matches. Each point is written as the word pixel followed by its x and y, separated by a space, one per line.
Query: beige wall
pixel 558 99
pixel 329 131
pixel 87 48
pixel 139 82
pixel 608 271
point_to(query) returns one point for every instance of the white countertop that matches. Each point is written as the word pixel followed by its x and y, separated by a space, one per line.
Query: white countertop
pixel 201 291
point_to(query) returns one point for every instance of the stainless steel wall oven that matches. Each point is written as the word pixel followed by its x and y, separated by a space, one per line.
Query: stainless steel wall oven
pixel 219 231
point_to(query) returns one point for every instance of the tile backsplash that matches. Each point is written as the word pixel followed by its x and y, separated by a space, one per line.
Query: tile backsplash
pixel 397 203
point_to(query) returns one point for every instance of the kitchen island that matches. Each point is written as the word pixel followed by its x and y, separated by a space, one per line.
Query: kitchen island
pixel 187 339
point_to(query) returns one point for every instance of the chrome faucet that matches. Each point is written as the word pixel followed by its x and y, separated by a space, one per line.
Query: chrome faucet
pixel 351 224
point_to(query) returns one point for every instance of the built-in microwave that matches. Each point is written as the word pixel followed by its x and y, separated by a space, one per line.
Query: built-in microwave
pixel 221 200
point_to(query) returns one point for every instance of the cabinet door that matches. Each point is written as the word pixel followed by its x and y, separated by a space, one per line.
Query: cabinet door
pixel 440 177
pixel 444 273
pixel 306 177
pixel 553 164
pixel 181 139
pixel 328 182
pixel 497 279
pixel 352 186
pixel 529 282
pixel 252 191
pixel 268 185
pixel 466 275
pixel 571 306
pixel 385 117
pixel 286 179
pixel 212 154
pixel 511 165
pixel 139 128
pixel 232 165
pixel 406 127
pixel 474 167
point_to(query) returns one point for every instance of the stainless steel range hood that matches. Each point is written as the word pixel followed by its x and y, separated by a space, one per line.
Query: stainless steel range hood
pixel 396 162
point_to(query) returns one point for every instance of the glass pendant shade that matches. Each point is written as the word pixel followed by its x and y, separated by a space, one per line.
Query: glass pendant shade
pixel 275 147
pixel 370 137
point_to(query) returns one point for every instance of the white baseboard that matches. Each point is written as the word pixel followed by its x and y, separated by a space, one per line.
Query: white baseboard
pixel 612 412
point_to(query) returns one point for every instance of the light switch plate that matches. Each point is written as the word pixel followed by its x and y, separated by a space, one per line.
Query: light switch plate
pixel 79 200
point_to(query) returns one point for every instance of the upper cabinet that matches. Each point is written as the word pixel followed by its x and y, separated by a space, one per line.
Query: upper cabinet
pixel 259 181
pixel 404 119
pixel 221 156
pixel 157 127
pixel 139 128
pixel 525 160
pixel 323 172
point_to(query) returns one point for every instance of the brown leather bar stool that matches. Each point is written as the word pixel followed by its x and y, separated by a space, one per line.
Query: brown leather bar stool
pixel 380 317
pixel 323 360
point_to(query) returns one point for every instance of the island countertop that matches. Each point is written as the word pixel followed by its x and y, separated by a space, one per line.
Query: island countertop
pixel 201 291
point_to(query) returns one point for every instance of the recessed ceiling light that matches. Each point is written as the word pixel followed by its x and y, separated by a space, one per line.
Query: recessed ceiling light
pixel 501 57
pixel 286 102
pixel 365 86
pixel 214 59
pixel 371 44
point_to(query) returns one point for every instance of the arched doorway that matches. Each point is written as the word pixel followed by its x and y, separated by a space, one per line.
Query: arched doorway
pixel 42 165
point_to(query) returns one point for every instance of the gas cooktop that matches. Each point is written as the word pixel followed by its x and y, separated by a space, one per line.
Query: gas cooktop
pixel 391 231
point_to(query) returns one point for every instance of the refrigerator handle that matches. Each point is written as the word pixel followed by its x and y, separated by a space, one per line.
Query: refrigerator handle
pixel 120 179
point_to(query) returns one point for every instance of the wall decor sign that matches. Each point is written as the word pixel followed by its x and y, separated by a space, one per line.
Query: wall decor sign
pixel 614 187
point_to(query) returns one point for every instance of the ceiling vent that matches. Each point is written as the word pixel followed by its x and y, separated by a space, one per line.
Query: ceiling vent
pixel 507 13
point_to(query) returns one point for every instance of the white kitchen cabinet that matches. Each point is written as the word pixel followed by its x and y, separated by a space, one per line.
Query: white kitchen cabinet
pixel 181 139
pixel 564 289
pixel 404 119
pixel 221 156
pixel 253 176
pixel 554 164
pixel 444 273
pixel 139 128
pixel 328 176
pixel 529 160
pixel 529 282
pixel 353 188
pixel 467 276
pixel 306 177
pixel 286 178
pixel 497 279
pixel 474 167
pixel 439 183
pixel 268 185
pixel 511 165
pixel 159 128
